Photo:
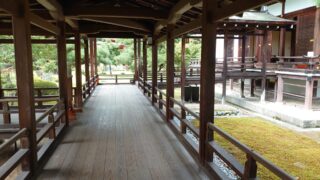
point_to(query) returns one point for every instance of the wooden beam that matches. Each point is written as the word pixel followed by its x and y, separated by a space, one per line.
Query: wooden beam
pixel 237 7
pixel 176 12
pixel 115 12
pixel 37 41
pixel 91 47
pixel 9 7
pixel 56 12
pixel 120 22
pixel 207 78
pixel 24 74
pixel 54 8
pixel 125 35
pixel 194 25
pixel 42 23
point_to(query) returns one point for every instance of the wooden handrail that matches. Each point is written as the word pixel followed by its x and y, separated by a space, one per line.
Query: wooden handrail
pixel 251 153
pixel 13 139
pixel 185 108
pixel 52 109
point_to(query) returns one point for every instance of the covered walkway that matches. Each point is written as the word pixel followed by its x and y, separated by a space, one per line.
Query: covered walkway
pixel 120 136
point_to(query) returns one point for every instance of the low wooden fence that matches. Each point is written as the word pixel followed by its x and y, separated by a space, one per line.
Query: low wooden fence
pixel 54 122
pixel 186 129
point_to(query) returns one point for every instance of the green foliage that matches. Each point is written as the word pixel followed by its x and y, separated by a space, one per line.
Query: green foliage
pixel 317 3
pixel 39 83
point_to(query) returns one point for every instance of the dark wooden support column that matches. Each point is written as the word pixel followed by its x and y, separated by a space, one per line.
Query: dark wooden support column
pixel 139 57
pixel 282 42
pixel 225 68
pixel 95 56
pixel 91 57
pixel 316 43
pixel 280 89
pixel 243 61
pixel 86 59
pixel 62 67
pixel 135 78
pixel 24 73
pixel 77 48
pixel 183 67
pixel 144 66
pixel 170 71
pixel 264 59
pixel 207 78
pixel 154 69
pixel 309 93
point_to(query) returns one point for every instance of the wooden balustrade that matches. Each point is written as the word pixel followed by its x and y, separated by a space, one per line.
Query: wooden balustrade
pixel 117 79
pixel 249 170
pixel 51 130
pixel 246 171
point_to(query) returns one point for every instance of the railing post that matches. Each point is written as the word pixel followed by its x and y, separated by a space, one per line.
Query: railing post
pixel 161 77
pixel 183 127
pixel 160 101
pixel 6 113
pixel 52 132
pixel 250 169
pixel 116 79
pixel 39 95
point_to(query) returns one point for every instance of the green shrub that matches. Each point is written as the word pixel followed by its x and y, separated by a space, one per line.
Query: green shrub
pixel 39 83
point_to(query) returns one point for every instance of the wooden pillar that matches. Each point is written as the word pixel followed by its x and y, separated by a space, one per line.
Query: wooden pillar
pixel 95 56
pixel 144 66
pixel 309 94
pixel 91 47
pixel 282 42
pixel 264 52
pixel 207 78
pixel 139 57
pixel 280 86
pixel 62 67
pixel 243 66
pixel 316 43
pixel 225 69
pixel 154 69
pixel 183 67
pixel 135 78
pixel 170 71
pixel 24 75
pixel 86 59
pixel 77 48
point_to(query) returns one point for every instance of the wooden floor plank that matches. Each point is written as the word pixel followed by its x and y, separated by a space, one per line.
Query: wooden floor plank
pixel 119 135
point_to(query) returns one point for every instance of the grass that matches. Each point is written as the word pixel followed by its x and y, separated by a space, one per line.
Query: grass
pixel 295 153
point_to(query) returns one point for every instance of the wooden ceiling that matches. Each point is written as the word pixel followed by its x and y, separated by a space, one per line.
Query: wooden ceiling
pixel 123 17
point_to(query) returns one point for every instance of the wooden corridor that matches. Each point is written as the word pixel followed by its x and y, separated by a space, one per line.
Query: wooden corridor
pixel 120 136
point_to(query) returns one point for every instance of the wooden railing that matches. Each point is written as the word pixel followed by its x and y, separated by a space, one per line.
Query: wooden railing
pixel 16 158
pixel 89 87
pixel 55 117
pixel 8 109
pixel 117 79
pixel 186 129
pixel 249 171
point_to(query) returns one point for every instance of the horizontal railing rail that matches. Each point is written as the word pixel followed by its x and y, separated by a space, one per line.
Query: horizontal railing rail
pixel 250 169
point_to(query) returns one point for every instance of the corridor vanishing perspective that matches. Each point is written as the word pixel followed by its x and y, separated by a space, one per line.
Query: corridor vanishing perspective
pixel 120 136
